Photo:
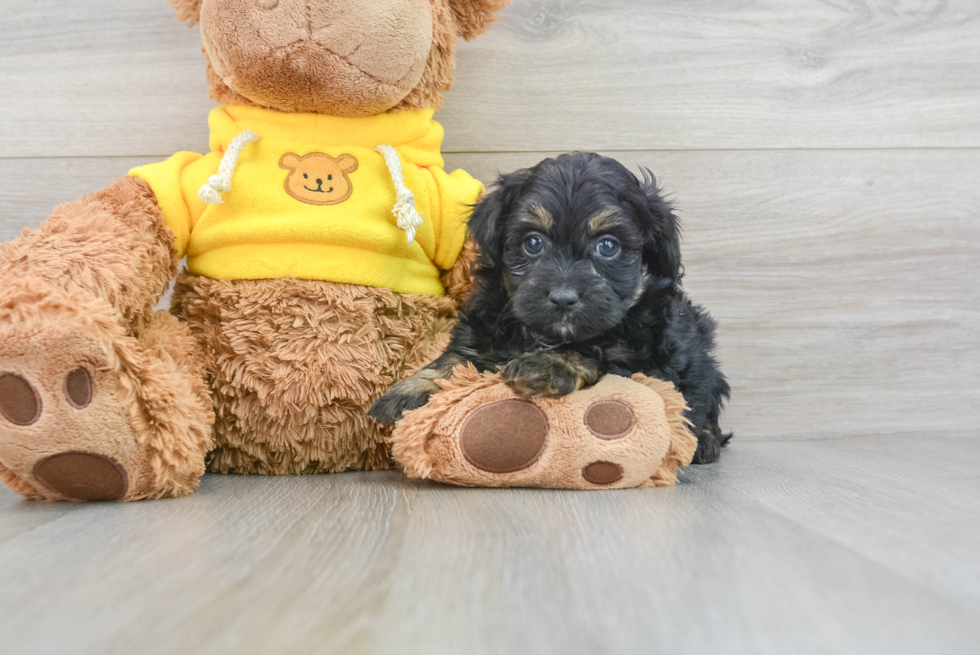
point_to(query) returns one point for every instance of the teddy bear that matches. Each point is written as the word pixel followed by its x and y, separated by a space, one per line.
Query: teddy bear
pixel 326 257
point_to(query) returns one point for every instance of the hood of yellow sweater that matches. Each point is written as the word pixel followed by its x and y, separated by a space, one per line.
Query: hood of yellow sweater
pixel 416 135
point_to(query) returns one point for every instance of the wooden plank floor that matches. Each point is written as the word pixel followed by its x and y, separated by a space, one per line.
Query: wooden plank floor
pixel 833 546
pixel 825 157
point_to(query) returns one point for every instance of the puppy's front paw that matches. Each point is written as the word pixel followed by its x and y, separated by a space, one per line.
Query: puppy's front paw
pixel 410 393
pixel 547 374
pixel 390 407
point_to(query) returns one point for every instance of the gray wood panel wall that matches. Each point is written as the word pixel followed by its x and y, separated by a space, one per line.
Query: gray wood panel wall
pixel 824 155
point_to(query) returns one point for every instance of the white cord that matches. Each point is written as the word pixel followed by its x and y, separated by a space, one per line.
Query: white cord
pixel 210 192
pixel 405 212
pixel 404 209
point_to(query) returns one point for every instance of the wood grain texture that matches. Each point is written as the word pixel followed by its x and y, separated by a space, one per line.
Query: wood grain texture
pixel 119 77
pixel 842 546
pixel 844 282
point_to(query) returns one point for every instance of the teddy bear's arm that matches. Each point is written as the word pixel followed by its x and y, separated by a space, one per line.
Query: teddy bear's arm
pixel 458 280
pixel 458 193
pixel 112 244
pixel 175 183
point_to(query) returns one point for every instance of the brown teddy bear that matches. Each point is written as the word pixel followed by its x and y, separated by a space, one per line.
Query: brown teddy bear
pixel 325 259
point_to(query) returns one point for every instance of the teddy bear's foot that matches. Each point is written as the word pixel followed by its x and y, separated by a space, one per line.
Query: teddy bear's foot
pixel 620 433
pixel 88 413
pixel 511 436
pixel 65 428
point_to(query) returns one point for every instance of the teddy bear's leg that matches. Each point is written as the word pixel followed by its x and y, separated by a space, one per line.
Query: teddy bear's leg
pixel 90 413
pixel 100 397
pixel 619 433
pixel 294 365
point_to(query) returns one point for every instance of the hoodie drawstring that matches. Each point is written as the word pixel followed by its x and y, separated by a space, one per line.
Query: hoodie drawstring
pixel 210 192
pixel 407 215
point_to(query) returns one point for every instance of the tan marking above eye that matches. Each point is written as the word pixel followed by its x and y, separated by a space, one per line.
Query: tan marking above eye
pixel 537 216
pixel 604 220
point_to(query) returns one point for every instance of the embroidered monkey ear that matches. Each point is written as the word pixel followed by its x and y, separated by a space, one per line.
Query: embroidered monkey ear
pixel 347 163
pixel 289 161
pixel 189 10
pixel 474 16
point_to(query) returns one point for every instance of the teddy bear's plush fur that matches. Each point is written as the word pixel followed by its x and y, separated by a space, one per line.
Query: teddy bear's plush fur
pixel 103 398
pixel 617 434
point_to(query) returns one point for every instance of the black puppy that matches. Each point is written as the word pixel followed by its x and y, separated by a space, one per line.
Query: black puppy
pixel 580 276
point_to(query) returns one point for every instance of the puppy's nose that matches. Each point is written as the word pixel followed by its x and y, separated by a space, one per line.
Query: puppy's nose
pixel 563 298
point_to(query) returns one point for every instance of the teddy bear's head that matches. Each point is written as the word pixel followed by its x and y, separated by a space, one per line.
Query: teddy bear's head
pixel 337 57
pixel 318 179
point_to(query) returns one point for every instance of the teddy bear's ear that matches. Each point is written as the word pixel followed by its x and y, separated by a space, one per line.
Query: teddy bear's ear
pixel 289 161
pixel 347 163
pixel 474 16
pixel 680 452
pixel 189 10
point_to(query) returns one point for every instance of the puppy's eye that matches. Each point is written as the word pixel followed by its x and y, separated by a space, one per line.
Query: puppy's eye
pixel 306 176
pixel 330 177
pixel 607 247
pixel 533 244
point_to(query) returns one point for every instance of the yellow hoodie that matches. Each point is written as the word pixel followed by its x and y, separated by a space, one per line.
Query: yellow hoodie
pixel 313 197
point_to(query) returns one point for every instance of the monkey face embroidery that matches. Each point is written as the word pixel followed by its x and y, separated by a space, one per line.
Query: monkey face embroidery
pixel 318 178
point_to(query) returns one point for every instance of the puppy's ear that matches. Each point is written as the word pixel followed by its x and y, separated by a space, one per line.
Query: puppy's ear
pixel 489 216
pixel 189 10
pixel 474 16
pixel 662 250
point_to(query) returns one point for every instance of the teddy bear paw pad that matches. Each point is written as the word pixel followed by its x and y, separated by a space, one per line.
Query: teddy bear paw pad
pixel 83 476
pixel 19 402
pixel 505 436
pixel 602 473
pixel 610 419
pixel 78 388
